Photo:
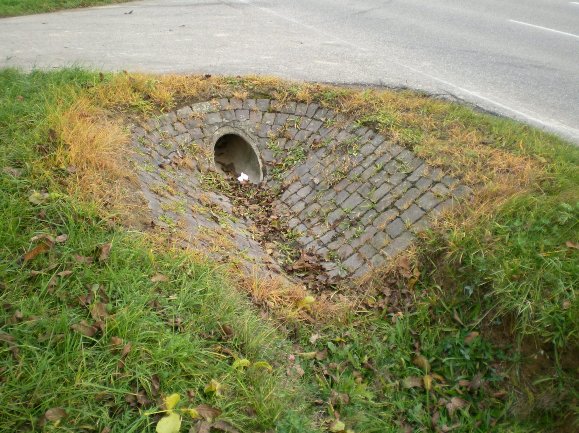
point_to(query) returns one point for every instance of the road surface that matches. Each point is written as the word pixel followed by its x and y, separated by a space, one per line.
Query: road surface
pixel 518 58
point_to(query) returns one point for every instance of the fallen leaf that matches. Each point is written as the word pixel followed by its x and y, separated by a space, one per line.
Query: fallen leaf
pixel 241 363
pixel 213 387
pixel 64 273
pixel 337 426
pixel 155 385
pixel 116 341
pixel 202 427
pixel 224 426
pixel 263 364
pixel 61 238
pixel 17 317
pixel 471 337
pixel 193 413
pixel 454 404
pixel 99 311
pixel 171 401
pixel 14 172
pixel 36 251
pixel 38 198
pixel 306 302
pixel 339 398
pixel 54 415
pixel 159 278
pixel 84 328
pixel 126 350
pixel 83 259
pixel 307 355
pixel 105 252
pixel 322 354
pixel 412 382
pixel 421 362
pixel 208 412
pixel 574 245
pixel 169 424
pixel 427 380
pixel 43 237
pixel 314 338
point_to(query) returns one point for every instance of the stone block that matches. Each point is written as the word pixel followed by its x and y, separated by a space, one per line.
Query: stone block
pixel 301 109
pixel 242 115
pixel 212 118
pixel 345 251
pixel 312 108
pixel 354 262
pixel 353 201
pixel 407 199
pixel 428 201
pixel 184 113
pixel 380 240
pixel 383 219
pixel 398 245
pixel 395 228
pixel 235 104
pixel 250 104
pixel 368 251
pixel 412 214
pixel 262 105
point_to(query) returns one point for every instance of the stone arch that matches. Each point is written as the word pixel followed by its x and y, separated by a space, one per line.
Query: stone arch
pixel 235 152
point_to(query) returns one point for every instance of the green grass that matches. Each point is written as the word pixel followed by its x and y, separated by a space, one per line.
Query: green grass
pixel 511 265
pixel 10 8
pixel 58 367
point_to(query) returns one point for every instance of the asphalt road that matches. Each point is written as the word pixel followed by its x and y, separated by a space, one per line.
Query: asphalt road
pixel 518 58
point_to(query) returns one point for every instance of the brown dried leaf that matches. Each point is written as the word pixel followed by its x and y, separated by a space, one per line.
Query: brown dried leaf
pixel 16 317
pixel 158 278
pixel 36 251
pixel 471 337
pixel 85 329
pixel 85 260
pixel 202 427
pixel 43 237
pixel 427 380
pixel 126 350
pixel 224 426
pixel 208 412
pixel 14 172
pixel 570 244
pixel 105 252
pixel 55 414
pixel 64 273
pixel 155 385
pixel 61 238
pixel 116 341
pixel 421 362
pixel 412 382
pixel 99 311
pixel 339 398
pixel 454 404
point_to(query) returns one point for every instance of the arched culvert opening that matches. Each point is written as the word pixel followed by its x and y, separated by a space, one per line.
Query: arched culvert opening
pixel 234 155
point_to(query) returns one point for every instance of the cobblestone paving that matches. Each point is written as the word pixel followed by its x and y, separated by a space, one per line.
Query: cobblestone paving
pixel 351 197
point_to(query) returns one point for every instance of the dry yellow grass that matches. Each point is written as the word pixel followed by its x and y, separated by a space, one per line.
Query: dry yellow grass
pixel 92 147
pixel 94 139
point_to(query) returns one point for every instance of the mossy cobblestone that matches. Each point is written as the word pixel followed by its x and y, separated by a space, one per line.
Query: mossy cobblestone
pixel 352 197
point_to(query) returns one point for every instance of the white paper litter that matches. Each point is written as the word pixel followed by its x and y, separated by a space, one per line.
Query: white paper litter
pixel 243 178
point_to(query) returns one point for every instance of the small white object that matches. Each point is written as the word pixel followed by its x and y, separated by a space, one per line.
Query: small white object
pixel 243 178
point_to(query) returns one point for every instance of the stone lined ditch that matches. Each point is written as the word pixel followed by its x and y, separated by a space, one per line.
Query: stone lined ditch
pixel 328 199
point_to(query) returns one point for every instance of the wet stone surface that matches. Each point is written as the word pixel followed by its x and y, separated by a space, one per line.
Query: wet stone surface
pixel 353 199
